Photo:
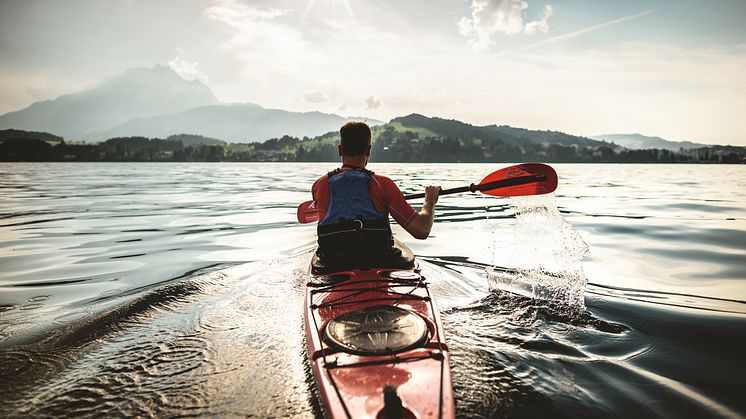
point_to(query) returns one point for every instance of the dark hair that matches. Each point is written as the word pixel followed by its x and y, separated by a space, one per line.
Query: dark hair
pixel 355 138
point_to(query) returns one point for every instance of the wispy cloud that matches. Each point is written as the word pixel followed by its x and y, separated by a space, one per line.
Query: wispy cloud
pixel 316 97
pixel 589 29
pixel 372 103
pixel 328 60
pixel 489 17
pixel 259 41
pixel 234 13
pixel 542 24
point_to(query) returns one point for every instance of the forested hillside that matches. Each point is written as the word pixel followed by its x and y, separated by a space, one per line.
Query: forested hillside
pixel 414 138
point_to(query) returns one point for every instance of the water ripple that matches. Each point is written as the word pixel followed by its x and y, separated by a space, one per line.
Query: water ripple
pixel 105 309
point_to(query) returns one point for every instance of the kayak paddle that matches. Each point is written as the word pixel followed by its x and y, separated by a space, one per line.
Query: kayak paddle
pixel 519 180
pixel 307 213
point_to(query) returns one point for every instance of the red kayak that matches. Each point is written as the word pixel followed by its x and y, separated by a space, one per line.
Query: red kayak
pixel 376 345
pixel 374 336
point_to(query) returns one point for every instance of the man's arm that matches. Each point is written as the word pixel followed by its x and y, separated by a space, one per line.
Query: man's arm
pixel 320 194
pixel 422 222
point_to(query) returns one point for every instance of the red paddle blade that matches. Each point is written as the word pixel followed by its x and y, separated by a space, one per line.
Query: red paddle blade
pixel 307 213
pixel 520 180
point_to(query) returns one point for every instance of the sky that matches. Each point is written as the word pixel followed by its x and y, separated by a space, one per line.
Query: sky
pixel 668 68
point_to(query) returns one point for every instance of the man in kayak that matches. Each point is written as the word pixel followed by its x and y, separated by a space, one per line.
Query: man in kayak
pixel 354 205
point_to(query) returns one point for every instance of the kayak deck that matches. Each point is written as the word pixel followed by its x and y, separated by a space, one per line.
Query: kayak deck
pixel 373 330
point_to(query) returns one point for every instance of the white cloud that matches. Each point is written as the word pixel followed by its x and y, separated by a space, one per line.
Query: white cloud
pixel 489 17
pixel 542 24
pixel 316 97
pixel 264 45
pixel 235 14
pixel 342 107
pixel 372 103
pixel 275 59
pixel 186 69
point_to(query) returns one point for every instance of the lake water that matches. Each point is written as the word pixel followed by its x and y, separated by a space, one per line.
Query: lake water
pixel 135 289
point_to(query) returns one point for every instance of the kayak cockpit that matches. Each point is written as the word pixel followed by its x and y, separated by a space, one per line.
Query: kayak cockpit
pixel 399 257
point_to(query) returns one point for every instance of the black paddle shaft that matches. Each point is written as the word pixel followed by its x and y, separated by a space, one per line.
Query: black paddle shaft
pixel 502 183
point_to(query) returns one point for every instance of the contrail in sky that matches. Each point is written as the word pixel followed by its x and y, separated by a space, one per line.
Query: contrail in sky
pixel 580 32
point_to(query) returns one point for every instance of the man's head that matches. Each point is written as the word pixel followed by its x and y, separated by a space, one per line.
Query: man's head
pixel 354 139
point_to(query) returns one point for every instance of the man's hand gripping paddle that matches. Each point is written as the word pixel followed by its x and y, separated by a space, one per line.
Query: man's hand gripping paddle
pixel 519 180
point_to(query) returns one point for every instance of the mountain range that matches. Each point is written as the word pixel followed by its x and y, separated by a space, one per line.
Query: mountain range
pixel 157 102
pixel 14 134
pixel 410 139
pixel 238 123
pixel 138 92
pixel 440 127
pixel 640 142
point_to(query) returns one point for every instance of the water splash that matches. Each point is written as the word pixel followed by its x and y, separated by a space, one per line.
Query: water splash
pixel 542 258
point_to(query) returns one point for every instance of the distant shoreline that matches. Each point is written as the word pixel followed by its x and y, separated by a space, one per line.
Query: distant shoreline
pixel 372 162
pixel 411 139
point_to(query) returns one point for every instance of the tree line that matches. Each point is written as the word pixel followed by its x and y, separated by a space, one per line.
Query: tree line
pixel 390 145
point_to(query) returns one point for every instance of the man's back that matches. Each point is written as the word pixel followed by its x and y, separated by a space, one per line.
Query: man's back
pixel 386 197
